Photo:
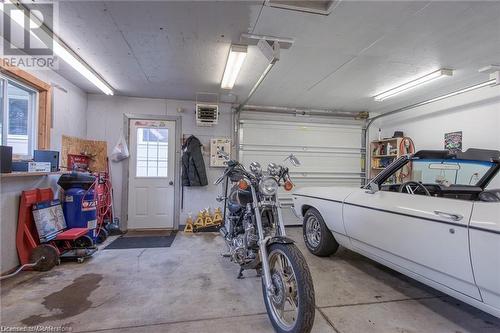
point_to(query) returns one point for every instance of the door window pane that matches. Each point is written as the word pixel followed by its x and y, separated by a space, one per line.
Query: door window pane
pixel 152 152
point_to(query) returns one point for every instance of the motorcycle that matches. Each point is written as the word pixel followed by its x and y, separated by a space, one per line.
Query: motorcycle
pixel 255 236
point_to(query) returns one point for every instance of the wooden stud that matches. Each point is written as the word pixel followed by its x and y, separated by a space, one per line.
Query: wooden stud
pixel 23 76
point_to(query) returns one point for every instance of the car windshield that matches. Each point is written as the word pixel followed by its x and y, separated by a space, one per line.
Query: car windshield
pixel 441 171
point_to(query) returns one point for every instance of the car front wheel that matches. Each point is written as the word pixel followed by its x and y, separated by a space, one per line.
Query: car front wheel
pixel 318 238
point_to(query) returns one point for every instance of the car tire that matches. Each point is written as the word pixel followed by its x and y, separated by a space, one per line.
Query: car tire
pixel 318 238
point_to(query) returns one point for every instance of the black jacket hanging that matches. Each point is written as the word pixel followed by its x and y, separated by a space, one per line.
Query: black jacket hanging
pixel 193 165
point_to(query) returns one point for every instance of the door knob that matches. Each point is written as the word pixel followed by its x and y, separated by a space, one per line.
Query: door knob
pixel 171 183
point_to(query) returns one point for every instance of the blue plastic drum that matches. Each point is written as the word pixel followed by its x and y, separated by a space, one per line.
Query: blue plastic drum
pixel 79 207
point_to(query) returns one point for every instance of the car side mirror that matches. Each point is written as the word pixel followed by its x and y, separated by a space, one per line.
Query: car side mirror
pixel 373 188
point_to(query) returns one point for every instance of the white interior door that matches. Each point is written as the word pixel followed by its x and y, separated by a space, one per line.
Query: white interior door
pixel 151 174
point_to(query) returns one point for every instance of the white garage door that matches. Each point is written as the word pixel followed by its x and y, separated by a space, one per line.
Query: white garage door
pixel 330 151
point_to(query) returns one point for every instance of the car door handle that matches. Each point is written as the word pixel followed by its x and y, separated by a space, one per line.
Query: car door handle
pixel 451 216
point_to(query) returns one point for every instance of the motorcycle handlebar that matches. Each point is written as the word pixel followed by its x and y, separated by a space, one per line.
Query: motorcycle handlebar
pixel 233 164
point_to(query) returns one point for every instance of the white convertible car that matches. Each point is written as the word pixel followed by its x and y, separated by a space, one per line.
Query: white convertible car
pixel 427 215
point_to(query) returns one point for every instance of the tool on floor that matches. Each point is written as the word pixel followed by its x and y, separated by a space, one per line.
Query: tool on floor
pixel 218 216
pixel 42 234
pixel 189 224
pixel 208 220
pixel 205 221
pixel 200 220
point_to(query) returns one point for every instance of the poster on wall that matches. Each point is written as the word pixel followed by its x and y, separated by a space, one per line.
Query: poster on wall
pixel 453 142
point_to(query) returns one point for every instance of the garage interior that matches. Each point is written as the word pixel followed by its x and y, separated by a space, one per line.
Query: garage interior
pixel 347 87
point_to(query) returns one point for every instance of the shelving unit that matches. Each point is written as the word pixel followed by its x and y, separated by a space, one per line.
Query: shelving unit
pixel 383 152
pixel 30 174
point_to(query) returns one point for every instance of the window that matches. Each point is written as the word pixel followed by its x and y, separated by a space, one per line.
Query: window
pixel 152 152
pixel 449 172
pixel 441 172
pixel 17 123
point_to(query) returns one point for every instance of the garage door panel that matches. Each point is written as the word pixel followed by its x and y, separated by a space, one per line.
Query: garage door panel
pixel 329 162
pixel 330 153
pixel 301 134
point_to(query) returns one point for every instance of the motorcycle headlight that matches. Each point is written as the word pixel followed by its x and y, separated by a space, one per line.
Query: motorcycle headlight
pixel 268 186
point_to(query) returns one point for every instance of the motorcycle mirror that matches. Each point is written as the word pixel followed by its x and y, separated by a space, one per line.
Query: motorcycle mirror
pixel 293 159
pixel 373 188
pixel 273 169
pixel 255 167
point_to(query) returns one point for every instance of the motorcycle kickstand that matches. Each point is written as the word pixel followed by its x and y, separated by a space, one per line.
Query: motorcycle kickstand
pixel 240 274
pixel 259 272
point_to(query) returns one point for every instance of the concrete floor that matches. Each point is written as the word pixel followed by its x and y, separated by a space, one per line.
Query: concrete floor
pixel 190 288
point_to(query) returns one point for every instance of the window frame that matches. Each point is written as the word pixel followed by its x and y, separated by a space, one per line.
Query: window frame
pixel 43 103
pixel 32 113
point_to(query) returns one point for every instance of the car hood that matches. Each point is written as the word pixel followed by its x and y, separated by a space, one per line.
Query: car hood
pixel 331 193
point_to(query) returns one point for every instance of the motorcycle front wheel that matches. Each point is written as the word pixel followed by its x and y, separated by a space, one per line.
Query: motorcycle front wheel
pixel 291 306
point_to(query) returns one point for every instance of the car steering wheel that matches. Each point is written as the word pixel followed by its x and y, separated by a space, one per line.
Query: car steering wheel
pixel 412 186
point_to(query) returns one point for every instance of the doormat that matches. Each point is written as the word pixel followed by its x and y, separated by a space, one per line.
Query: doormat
pixel 141 242
pixel 148 233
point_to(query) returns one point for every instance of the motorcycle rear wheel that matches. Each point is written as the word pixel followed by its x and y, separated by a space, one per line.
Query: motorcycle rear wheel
pixel 291 307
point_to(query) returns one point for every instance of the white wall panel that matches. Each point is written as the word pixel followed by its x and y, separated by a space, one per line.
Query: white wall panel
pixel 475 113
pixel 105 122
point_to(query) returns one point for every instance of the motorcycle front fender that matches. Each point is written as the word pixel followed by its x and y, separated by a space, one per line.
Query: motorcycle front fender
pixel 280 240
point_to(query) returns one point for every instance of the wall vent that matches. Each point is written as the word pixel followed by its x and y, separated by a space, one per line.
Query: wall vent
pixel 308 6
pixel 207 114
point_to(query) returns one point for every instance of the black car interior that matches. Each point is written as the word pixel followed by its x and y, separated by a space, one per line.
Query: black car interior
pixel 452 191
pixel 490 195
pixel 462 192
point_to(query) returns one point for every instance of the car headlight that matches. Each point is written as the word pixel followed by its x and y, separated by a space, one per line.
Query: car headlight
pixel 268 186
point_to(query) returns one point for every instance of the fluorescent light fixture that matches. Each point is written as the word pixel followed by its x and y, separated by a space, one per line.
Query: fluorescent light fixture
pixel 62 50
pixel 81 67
pixel 237 55
pixel 490 83
pixel 413 84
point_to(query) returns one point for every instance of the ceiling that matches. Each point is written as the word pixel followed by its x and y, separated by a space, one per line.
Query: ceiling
pixel 340 61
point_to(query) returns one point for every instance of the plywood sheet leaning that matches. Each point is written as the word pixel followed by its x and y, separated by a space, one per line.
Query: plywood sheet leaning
pixel 97 150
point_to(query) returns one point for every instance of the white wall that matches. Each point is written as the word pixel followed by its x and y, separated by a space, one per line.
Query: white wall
pixel 105 122
pixel 476 114
pixel 69 117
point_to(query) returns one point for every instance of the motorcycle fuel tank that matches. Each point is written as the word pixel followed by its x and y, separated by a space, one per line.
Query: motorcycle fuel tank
pixel 238 199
